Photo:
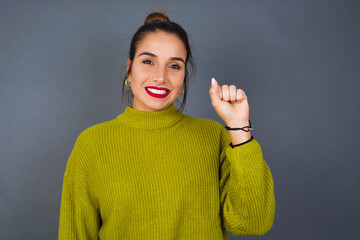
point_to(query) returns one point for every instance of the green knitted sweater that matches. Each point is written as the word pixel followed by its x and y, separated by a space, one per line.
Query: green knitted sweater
pixel 164 175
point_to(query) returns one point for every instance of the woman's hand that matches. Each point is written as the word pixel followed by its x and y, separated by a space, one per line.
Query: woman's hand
pixel 230 104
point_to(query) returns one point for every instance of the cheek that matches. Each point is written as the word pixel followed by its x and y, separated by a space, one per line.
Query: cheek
pixel 180 76
pixel 139 76
pixel 140 69
pixel 179 84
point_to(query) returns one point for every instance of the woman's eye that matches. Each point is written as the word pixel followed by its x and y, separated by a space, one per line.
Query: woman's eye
pixel 175 66
pixel 147 61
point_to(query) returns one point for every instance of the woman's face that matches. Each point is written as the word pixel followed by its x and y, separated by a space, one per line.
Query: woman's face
pixel 158 71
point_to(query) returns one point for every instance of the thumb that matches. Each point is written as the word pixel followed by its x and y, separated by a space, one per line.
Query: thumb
pixel 215 93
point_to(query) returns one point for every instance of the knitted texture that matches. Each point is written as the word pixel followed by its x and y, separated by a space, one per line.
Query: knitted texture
pixel 164 175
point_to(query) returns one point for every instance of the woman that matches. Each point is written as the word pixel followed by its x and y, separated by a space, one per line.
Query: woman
pixel 155 173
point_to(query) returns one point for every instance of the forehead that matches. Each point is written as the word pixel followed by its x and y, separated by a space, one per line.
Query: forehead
pixel 162 44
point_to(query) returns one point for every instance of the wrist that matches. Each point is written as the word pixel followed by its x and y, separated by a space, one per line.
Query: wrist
pixel 238 124
pixel 238 137
pixel 239 131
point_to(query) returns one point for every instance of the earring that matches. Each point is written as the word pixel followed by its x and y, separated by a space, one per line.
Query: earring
pixel 127 83
pixel 183 91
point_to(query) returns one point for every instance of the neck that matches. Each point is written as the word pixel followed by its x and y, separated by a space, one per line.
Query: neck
pixel 150 120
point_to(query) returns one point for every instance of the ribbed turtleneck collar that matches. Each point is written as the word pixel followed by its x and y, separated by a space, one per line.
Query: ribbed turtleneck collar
pixel 150 120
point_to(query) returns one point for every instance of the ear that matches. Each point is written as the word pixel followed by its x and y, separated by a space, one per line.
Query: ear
pixel 127 67
pixel 128 64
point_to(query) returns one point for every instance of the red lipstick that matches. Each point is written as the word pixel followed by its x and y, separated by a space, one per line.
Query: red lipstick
pixel 155 94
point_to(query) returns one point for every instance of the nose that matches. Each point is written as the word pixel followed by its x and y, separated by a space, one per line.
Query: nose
pixel 160 74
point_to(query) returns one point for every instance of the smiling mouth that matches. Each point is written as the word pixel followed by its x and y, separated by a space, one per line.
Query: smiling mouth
pixel 158 93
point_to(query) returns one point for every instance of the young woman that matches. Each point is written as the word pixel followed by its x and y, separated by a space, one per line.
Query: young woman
pixel 156 173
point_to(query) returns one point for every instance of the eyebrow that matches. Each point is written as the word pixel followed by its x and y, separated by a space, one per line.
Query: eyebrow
pixel 153 55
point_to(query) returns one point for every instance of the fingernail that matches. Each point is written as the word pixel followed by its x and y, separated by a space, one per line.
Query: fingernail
pixel 212 81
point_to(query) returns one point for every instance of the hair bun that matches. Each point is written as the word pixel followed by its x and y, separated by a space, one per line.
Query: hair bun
pixel 156 17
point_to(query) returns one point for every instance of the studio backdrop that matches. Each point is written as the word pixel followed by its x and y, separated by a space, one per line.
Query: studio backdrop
pixel 62 64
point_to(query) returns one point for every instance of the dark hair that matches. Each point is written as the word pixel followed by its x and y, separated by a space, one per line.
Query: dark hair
pixel 159 22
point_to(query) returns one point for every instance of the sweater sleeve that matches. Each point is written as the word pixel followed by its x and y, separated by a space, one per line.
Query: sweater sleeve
pixel 246 188
pixel 79 217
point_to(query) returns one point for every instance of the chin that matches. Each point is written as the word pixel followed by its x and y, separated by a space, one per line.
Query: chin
pixel 152 105
pixel 160 107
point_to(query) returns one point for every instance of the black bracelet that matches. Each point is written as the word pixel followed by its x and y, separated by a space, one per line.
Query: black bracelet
pixel 250 128
pixel 252 137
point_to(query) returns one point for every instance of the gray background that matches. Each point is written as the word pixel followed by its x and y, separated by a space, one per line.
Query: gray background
pixel 61 66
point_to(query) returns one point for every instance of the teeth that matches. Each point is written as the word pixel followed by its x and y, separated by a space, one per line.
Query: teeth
pixel 156 91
